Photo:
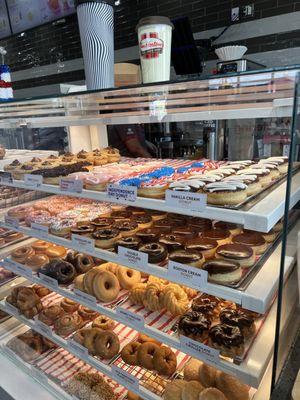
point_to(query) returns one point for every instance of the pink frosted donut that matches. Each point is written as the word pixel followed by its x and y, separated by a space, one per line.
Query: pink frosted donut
pixel 39 217
pixel 20 212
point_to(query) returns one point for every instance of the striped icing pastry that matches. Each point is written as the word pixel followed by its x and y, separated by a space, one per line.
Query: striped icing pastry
pixel 225 186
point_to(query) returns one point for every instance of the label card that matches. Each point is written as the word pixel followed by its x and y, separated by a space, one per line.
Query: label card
pixel 130 317
pixel 133 257
pixel 87 298
pixel 125 378
pixel 41 230
pixel 20 269
pixel 83 243
pixel 34 181
pixel 199 350
pixel 187 275
pixel 186 200
pixel 45 329
pixel 48 281
pixel 71 185
pixel 5 177
pixel 11 221
pixel 78 349
pixel 122 193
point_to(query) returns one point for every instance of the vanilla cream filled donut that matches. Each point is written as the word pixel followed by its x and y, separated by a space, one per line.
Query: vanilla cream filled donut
pixel 252 182
pixel 187 185
pixel 263 173
pixel 274 171
pixel 226 193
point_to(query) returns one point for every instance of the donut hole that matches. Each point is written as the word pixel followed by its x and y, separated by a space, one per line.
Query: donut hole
pixel 129 273
pixel 107 285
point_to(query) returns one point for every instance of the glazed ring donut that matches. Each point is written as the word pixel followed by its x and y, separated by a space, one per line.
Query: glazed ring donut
pixel 69 306
pixel 88 279
pixel 78 283
pixel 110 267
pixel 80 335
pixel 128 277
pixel 21 254
pixel 86 314
pixel 129 353
pixel 40 246
pixel 107 344
pixel 165 361
pixel 106 286
pixel 145 355
pixel 83 263
pixel 55 252
pixel 147 339
pixel 103 322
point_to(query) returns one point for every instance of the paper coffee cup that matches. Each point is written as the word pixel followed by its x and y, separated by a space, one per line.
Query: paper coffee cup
pixel 155 41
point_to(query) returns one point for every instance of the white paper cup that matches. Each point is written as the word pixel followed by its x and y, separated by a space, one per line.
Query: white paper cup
pixel 155 41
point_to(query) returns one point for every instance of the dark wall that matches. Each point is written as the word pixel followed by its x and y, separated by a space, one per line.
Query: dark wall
pixel 58 42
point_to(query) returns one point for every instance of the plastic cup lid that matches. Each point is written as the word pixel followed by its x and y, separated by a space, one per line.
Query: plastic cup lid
pixel 154 20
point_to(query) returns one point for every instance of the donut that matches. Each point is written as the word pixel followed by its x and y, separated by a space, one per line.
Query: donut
pixel 211 394
pixel 107 344
pixel 220 235
pixel 50 314
pixel 122 214
pixel 145 355
pixel 240 253
pixel 191 370
pixel 41 291
pixel 104 323
pixel 82 229
pixel 89 338
pixel 21 254
pixel 128 277
pixel 225 193
pixel 69 306
pixel 106 238
pixel 144 221
pixel 147 339
pixel 174 299
pixel 60 270
pixel 192 390
pixel 36 261
pixel 106 286
pixel 12 237
pixel 137 294
pixel 223 271
pixel 207 247
pixel 187 257
pixel 149 235
pixel 86 314
pixel 41 217
pixel 83 263
pixel 19 212
pixel 40 246
pixel 207 305
pixel 172 242
pixel 253 239
pixel 78 283
pixel 207 375
pixel 156 252
pixel 67 324
pixel 126 227
pixel 232 388
pixel 129 242
pixel 102 223
pixel 61 228
pixel 54 251
pixel 88 279
pixel 156 215
pixel 164 361
pixel 238 318
pixel 194 325
pixel 174 389
pixel 129 353
pixel 152 298
pixel 234 229
pixel 228 339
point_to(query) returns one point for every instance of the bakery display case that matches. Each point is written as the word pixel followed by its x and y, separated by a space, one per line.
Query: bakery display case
pixel 140 275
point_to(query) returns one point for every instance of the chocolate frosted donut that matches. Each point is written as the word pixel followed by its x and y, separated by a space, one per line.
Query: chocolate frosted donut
pixel 200 224
pixel 83 263
pixel 172 242
pixel 126 228
pixel 143 220
pixel 63 271
pixel 238 318
pixel 206 304
pixel 130 242
pixel 222 271
pixel 164 225
pixel 241 253
pixel 83 228
pixel 156 252
pixel 229 339
pixel 185 231
pixel 121 215
pixel 229 226
pixel 106 238
pixel 194 325
pixel 253 239
pixel 148 235
pixel 102 222
pixel 220 235
pixel 192 258
pixel 201 244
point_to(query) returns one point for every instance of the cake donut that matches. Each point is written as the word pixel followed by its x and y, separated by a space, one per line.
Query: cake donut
pixel 106 286
pixel 164 361
pixel 129 353
pixel 104 323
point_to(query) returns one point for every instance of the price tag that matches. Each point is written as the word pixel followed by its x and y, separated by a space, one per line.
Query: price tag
pixel 45 329
pixel 5 177
pixel 199 350
pixel 87 298
pixel 83 243
pixel 34 181
pixel 71 185
pixel 122 193
pixel 125 378
pixel 130 317
pixel 11 309
pixel 133 258
pixel 48 281
pixel 41 230
pixel 11 221
pixel 187 275
pixel 20 269
pixel 188 201
pixel 78 349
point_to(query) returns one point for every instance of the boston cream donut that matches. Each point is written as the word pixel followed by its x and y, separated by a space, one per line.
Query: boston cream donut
pixel 253 239
pixel 225 193
pixel 187 257
pixel 222 236
pixel 207 247
pixel 241 253
pixel 223 271
pixel 263 174
pixel 234 229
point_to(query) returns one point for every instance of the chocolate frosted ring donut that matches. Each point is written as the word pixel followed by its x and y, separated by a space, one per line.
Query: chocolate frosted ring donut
pixel 149 235
pixel 226 335
pixel 60 270
pixel 156 252
pixel 126 228
pixel 83 228
pixel 106 238
pixel 130 242
pixel 143 220
pixel 194 325
pixel 238 318
pixel 115 215
pixel 101 223
pixel 172 242
pixel 206 304
pixel 83 263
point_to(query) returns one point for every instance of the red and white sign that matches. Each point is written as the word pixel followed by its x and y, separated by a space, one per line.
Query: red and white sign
pixel 151 45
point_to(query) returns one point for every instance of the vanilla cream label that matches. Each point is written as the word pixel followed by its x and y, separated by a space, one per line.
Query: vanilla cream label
pixel 186 200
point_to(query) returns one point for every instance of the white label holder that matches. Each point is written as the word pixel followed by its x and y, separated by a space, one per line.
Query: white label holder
pixel 83 243
pixel 130 317
pixel 133 257
pixel 33 181
pixel 71 185
pixel 187 275
pixel 122 193
pixel 199 350
pixel 125 378
pixel 188 201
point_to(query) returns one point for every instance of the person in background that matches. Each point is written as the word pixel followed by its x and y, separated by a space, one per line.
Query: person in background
pixel 130 141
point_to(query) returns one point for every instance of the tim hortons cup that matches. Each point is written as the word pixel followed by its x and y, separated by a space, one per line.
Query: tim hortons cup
pixel 155 40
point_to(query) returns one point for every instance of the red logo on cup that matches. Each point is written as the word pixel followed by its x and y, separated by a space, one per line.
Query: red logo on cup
pixel 151 45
